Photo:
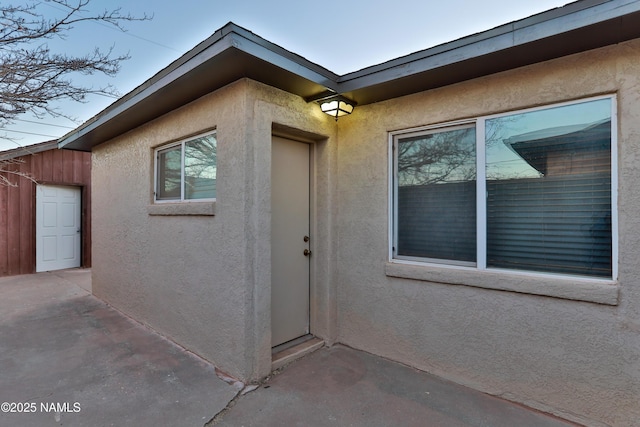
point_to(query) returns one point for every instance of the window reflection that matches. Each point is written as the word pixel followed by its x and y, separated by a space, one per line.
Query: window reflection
pixel 549 190
pixel 546 202
pixel 555 141
pixel 437 157
pixel 200 168
pixel 187 170
pixel 436 195
pixel 169 174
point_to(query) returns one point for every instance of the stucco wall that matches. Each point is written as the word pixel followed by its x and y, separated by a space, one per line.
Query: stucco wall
pixel 202 280
pixel 578 359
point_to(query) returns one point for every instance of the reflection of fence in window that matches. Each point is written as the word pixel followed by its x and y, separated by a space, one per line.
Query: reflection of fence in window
pixel 199 188
pixel 558 224
pixel 438 221
pixel 559 221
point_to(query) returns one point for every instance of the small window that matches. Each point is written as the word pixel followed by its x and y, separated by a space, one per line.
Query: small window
pixel 187 170
pixel 530 191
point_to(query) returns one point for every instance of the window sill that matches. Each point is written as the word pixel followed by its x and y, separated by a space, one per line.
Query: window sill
pixel 571 288
pixel 184 208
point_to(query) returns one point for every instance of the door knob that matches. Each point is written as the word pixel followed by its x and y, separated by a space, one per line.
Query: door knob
pixel 306 252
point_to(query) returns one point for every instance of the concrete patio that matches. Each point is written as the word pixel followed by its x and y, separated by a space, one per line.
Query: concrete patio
pixel 67 358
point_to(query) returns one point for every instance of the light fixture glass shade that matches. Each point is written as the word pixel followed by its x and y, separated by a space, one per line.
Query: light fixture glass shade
pixel 337 107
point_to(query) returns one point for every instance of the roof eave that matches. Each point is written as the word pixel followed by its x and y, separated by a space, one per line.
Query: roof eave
pixel 574 28
pixel 233 53
pixel 28 150
pixel 227 56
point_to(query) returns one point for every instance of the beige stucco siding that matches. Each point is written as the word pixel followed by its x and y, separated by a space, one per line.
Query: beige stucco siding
pixel 578 359
pixel 203 281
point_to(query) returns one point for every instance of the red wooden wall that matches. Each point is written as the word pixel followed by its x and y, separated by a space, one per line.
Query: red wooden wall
pixel 18 206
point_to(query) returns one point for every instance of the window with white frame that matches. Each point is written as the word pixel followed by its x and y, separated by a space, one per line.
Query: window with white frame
pixel 531 190
pixel 186 170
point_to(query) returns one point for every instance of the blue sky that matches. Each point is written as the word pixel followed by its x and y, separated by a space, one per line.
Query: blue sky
pixel 341 36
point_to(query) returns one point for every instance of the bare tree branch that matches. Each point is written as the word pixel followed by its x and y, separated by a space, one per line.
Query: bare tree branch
pixel 24 23
pixel 32 76
pixel 437 158
pixel 11 168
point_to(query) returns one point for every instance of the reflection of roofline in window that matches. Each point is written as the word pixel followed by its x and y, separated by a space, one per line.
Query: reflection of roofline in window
pixel 538 146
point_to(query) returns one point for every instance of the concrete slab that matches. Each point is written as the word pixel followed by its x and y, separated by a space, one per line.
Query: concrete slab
pixel 71 360
pixel 339 386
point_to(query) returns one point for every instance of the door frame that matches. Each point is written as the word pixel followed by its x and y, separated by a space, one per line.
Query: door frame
pixel 312 219
pixel 323 263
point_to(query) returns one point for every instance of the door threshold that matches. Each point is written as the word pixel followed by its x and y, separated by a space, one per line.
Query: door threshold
pixel 292 350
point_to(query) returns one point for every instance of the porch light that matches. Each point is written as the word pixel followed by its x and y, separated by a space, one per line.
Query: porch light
pixel 337 106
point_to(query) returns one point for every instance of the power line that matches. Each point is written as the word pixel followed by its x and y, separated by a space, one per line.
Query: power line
pixel 111 27
pixel 29 133
pixel 44 124
pixel 140 37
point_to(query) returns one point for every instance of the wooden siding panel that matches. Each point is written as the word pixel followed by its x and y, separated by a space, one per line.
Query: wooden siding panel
pixel 47 166
pixel 78 166
pixel 57 166
pixel 68 165
pixel 36 166
pixel 27 218
pixel 4 238
pixel 13 230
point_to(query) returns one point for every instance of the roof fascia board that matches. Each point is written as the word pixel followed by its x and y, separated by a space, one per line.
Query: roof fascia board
pixel 229 37
pixel 28 150
pixel 286 63
pixel 551 25
pixel 416 66
pixel 255 45
pixel 547 24
pixel 147 90
pixel 524 33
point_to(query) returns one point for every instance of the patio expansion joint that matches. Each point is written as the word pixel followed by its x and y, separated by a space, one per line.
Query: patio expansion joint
pixel 218 417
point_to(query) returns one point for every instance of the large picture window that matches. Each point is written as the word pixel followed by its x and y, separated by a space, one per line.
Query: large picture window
pixel 186 170
pixel 529 190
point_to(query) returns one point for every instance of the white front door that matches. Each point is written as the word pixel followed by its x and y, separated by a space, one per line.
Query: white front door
pixel 57 227
pixel 289 240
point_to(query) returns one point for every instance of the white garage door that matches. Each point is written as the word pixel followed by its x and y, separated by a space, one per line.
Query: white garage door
pixel 57 227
